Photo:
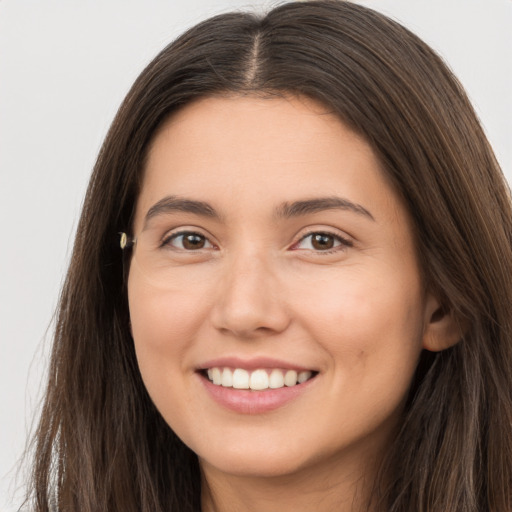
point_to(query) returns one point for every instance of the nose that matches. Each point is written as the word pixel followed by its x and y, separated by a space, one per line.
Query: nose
pixel 250 301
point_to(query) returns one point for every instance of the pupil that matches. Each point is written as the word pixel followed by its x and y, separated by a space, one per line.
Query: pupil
pixel 193 242
pixel 323 242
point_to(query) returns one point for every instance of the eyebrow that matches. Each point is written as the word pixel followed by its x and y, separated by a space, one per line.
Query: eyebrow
pixel 170 204
pixel 308 206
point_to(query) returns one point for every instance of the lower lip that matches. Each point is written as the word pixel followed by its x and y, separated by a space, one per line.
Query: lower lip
pixel 254 402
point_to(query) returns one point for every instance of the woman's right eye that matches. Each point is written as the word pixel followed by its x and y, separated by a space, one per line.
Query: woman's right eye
pixel 187 241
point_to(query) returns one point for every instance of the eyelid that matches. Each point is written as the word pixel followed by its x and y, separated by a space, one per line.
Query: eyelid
pixel 186 230
pixel 345 240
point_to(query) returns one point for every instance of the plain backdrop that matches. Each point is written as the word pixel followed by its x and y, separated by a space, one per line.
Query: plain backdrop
pixel 65 66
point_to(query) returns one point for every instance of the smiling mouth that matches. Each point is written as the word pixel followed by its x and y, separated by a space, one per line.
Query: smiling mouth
pixel 256 380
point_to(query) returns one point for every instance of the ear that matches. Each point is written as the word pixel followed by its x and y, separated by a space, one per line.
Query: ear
pixel 442 329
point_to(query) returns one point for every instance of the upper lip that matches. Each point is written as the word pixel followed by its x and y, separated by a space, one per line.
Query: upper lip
pixel 252 364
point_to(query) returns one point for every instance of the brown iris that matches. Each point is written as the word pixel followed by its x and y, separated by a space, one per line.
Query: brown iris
pixel 322 241
pixel 193 241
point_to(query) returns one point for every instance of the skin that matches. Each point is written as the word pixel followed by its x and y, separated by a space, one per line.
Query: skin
pixel 357 314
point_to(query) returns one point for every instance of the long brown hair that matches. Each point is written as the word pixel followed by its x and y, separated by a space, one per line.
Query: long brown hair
pixel 102 446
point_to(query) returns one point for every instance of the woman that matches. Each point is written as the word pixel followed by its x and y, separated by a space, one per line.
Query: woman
pixel 311 303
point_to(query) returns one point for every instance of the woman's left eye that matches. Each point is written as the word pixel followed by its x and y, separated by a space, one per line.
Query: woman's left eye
pixel 322 242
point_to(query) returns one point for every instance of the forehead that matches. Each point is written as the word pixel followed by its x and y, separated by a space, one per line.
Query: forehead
pixel 244 125
pixel 260 150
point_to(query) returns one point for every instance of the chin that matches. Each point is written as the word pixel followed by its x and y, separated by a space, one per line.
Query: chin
pixel 255 463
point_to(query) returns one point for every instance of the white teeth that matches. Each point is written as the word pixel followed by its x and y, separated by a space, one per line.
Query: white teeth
pixel 216 376
pixel 276 379
pixel 240 379
pixel 227 378
pixel 303 377
pixel 258 379
pixel 290 378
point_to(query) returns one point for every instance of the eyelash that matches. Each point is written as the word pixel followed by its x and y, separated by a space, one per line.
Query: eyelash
pixel 343 243
pixel 166 242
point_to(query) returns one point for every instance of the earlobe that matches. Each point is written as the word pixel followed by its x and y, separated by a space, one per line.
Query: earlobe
pixel 442 329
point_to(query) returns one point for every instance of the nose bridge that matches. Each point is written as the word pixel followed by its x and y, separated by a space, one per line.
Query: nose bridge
pixel 251 300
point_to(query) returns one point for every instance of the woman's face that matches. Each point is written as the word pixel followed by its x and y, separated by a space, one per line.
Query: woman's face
pixel 271 249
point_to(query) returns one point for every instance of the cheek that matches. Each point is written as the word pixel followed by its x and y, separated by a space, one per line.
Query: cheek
pixel 370 325
pixel 164 325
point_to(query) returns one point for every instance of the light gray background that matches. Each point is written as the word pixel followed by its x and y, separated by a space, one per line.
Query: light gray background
pixel 65 66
